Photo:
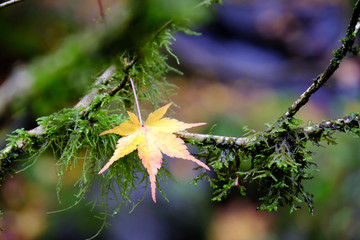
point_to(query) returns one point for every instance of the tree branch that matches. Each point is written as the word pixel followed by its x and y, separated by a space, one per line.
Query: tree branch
pixel 338 125
pixel 8 3
pixel 219 140
pixel 339 54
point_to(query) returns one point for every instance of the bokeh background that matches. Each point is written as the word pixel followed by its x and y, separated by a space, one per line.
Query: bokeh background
pixel 251 61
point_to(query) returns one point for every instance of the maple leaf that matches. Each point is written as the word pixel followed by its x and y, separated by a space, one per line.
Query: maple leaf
pixel 152 139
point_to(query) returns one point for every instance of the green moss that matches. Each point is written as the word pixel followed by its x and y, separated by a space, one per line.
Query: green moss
pixel 276 161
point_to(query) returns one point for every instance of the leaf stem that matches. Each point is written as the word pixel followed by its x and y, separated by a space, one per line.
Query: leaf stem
pixel 136 100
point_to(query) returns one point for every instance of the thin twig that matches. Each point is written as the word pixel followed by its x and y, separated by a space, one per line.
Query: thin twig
pixel 122 84
pixel 339 54
pixel 8 3
pixel 101 9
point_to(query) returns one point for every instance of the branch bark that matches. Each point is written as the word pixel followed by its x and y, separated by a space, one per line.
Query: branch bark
pixel 216 139
pixel 340 125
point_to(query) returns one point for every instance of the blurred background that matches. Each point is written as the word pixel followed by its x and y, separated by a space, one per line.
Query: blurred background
pixel 251 61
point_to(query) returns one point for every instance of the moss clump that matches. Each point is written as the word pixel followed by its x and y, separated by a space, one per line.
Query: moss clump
pixel 275 160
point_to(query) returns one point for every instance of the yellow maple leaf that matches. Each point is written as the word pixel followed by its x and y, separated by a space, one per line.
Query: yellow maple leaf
pixel 152 139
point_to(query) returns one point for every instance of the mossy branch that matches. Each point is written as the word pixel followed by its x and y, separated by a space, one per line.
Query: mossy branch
pixel 22 143
pixel 315 131
pixel 276 160
pixel 339 55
